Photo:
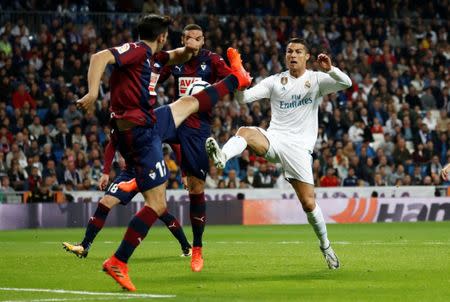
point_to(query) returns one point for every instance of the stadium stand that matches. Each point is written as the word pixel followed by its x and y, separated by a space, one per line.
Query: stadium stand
pixel 393 122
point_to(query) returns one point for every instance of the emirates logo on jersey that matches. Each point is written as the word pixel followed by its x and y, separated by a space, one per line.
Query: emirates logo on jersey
pixel 284 80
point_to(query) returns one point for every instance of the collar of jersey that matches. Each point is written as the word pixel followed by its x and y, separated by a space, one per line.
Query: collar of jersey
pixel 294 78
pixel 146 46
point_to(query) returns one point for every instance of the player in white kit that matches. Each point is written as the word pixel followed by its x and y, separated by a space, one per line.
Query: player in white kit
pixel 294 96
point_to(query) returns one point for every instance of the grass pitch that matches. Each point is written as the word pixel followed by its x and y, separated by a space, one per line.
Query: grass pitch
pixel 380 262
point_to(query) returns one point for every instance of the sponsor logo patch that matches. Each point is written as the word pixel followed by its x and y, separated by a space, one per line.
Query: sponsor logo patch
pixel 123 48
pixel 184 82
pixel 153 81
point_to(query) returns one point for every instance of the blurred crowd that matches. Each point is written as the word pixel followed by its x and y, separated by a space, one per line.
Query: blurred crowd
pixel 387 9
pixel 391 128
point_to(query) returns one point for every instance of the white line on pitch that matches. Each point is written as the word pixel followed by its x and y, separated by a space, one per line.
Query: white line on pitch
pixel 372 242
pixel 78 292
pixel 66 299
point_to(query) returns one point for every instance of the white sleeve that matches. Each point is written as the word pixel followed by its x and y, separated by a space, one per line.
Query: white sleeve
pixel 262 90
pixel 333 81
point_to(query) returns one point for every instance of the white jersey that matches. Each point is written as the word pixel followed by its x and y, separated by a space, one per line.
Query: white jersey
pixel 295 102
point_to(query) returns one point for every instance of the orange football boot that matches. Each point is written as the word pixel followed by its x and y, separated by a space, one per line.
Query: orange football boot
pixel 119 271
pixel 237 69
pixel 128 186
pixel 197 259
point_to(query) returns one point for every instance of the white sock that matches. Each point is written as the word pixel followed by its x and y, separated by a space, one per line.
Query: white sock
pixel 234 146
pixel 315 219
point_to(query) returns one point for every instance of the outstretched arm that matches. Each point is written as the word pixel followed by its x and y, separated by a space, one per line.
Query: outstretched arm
pixel 97 66
pixel 333 79
pixel 184 54
pixel 262 90
pixel 179 55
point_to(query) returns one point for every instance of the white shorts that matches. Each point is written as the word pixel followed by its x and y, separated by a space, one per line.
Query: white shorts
pixel 296 161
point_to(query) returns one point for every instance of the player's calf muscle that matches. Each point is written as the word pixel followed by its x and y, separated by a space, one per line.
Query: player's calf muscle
pixel 109 201
pixel 305 193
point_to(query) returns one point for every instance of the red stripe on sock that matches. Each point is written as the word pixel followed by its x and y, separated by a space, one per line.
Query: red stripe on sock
pixel 222 89
pixel 147 215
pixel 197 209
pixel 132 237
pixel 204 101
pixel 197 198
pixel 103 208
pixel 99 223
pixel 208 97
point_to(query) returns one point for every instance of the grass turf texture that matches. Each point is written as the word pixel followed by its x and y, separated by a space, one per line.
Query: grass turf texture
pixel 380 262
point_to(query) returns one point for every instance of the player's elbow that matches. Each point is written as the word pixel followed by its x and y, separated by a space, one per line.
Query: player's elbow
pixel 348 83
pixel 94 57
pixel 104 56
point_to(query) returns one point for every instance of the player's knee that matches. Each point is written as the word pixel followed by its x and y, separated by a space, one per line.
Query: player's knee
pixel 196 186
pixel 159 208
pixel 308 204
pixel 109 201
pixel 196 190
pixel 190 104
pixel 249 135
pixel 157 204
pixel 244 132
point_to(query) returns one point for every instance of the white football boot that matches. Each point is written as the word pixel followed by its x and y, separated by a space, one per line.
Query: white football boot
pixel 215 153
pixel 330 257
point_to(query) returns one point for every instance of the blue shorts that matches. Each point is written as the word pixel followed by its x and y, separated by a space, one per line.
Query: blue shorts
pixel 141 148
pixel 194 159
pixel 114 191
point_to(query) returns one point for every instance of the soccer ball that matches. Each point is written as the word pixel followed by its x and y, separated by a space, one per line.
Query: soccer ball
pixel 196 87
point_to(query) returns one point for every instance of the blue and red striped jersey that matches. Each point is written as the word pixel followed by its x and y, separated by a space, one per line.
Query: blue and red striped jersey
pixel 207 66
pixel 130 84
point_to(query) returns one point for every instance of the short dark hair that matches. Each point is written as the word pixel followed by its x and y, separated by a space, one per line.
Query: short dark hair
pixel 300 41
pixel 151 26
pixel 192 27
